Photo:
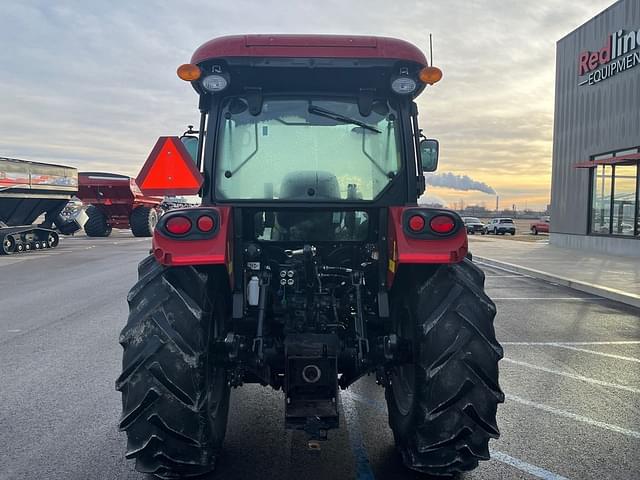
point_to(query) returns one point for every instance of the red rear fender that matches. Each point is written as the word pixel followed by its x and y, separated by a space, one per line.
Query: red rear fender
pixel 426 246
pixel 196 247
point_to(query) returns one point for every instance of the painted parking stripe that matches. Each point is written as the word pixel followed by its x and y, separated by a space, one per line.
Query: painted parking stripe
pixel 363 466
pixel 595 352
pixel 575 299
pixel 614 342
pixel 525 467
pixel 573 416
pixel 505 276
pixel 573 376
pixel 495 455
pixel 572 346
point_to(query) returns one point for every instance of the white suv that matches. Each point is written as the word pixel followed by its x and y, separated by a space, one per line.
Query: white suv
pixel 500 226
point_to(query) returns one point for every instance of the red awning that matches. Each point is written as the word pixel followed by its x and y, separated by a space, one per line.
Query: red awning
pixel 624 160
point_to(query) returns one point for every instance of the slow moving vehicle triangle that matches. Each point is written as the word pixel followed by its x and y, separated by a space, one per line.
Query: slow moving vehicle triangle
pixel 169 170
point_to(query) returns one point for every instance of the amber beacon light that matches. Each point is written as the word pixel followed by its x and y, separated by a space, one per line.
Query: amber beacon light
pixel 430 75
pixel 189 72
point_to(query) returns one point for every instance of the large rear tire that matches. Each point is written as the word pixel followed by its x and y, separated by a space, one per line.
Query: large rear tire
pixel 442 406
pixel 175 396
pixel 142 221
pixel 96 224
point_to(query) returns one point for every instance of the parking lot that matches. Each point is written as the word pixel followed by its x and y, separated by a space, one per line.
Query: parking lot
pixel 571 376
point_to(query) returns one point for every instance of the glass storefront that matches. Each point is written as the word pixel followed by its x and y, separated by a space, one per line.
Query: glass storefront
pixel 615 193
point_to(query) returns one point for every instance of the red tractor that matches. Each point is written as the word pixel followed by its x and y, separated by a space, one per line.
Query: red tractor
pixel 309 263
pixel 115 201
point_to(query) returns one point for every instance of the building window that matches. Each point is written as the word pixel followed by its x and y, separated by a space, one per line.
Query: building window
pixel 601 205
pixel 624 200
pixel 615 196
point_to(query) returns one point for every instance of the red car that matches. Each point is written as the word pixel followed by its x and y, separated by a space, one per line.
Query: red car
pixel 541 226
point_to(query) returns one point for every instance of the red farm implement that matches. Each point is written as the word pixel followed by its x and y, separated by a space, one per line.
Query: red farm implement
pixel 115 201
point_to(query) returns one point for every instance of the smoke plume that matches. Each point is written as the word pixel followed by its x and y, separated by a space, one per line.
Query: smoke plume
pixel 458 182
pixel 431 201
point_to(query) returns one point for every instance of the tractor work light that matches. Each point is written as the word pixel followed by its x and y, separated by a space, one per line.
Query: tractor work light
pixel 178 225
pixel 189 72
pixel 215 83
pixel 403 85
pixel 442 224
pixel 430 75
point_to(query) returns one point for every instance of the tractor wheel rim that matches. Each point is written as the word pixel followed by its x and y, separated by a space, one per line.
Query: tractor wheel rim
pixel 403 386
pixel 7 245
pixel 403 376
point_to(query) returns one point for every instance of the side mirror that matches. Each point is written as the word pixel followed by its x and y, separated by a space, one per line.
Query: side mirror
pixel 429 150
pixel 191 144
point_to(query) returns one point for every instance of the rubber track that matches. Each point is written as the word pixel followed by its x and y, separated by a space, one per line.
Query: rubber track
pixel 452 420
pixel 165 377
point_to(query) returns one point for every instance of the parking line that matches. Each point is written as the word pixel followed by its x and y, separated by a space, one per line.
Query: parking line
pixel 573 416
pixel 504 276
pixel 595 352
pixel 573 376
pixel 495 455
pixel 614 342
pixel 363 466
pixel 525 467
pixel 550 298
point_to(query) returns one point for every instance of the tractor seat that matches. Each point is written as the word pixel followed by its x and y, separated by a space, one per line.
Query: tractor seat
pixel 308 186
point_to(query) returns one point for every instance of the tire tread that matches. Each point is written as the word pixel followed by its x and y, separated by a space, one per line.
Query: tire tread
pixel 168 398
pixel 452 421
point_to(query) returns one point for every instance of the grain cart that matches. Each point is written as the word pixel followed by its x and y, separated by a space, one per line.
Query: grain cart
pixel 27 191
pixel 309 263
pixel 115 201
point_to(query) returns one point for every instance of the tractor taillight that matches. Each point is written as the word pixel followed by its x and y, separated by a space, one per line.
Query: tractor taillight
pixel 206 223
pixel 442 224
pixel 416 223
pixel 178 225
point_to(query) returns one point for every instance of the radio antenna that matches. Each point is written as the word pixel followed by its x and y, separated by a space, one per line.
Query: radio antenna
pixel 430 50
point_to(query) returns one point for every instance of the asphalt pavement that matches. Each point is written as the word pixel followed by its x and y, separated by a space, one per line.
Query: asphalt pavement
pixel 571 376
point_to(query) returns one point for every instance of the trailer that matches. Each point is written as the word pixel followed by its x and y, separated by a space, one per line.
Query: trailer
pixel 29 190
pixel 115 201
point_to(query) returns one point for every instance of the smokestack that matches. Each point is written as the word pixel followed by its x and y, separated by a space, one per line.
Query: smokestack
pixel 497 202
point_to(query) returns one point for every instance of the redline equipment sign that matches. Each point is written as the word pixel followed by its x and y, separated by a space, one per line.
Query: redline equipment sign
pixel 621 52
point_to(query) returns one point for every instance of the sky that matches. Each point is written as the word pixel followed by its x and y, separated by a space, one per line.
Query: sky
pixel 93 84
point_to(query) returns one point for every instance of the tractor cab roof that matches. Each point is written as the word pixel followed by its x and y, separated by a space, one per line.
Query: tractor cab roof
pixel 328 63
pixel 309 46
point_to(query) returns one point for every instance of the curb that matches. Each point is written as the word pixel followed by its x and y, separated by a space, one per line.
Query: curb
pixel 593 289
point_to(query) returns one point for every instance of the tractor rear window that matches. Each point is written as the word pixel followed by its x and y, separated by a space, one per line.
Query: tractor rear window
pixel 316 226
pixel 306 150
